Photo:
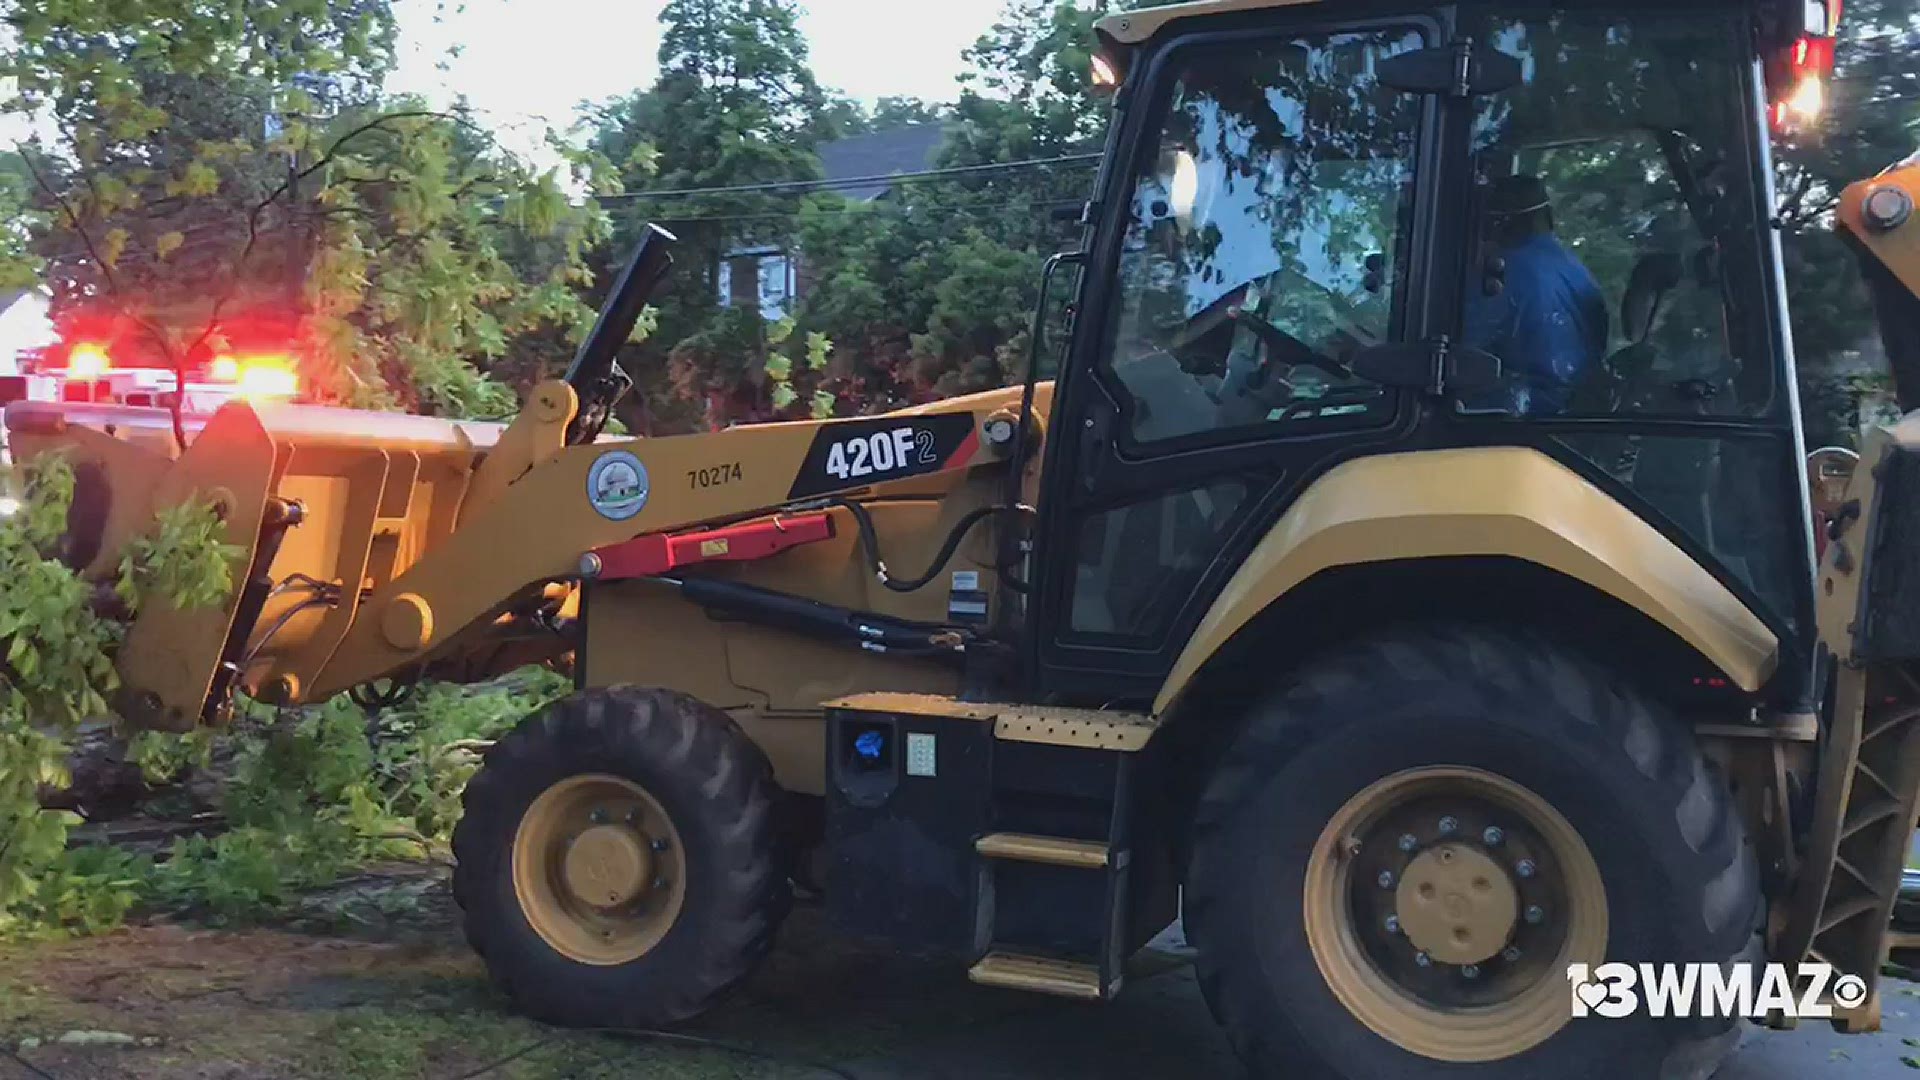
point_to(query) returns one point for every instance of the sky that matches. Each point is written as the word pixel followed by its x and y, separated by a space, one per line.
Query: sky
pixel 524 62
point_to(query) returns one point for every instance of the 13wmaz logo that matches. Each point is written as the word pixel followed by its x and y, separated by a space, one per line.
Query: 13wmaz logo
pixel 1742 990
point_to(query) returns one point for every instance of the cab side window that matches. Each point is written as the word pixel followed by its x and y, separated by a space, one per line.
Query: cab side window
pixel 1615 271
pixel 1265 238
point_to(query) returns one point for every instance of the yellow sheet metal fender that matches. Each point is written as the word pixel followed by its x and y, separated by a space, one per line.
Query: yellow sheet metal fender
pixel 1491 501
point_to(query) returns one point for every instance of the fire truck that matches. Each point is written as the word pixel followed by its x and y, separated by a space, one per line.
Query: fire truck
pixel 99 369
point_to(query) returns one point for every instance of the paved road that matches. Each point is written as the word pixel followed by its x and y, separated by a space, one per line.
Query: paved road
pixel 1160 1027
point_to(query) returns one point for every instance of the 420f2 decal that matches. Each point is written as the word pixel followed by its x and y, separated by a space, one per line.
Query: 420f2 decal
pixel 855 453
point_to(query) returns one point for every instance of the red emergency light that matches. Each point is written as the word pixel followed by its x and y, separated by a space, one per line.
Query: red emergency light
pixel 264 375
pixel 88 360
pixel 1797 76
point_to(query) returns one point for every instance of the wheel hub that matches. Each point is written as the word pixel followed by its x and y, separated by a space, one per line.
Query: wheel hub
pixel 1443 905
pixel 599 869
pixel 1456 904
pixel 607 866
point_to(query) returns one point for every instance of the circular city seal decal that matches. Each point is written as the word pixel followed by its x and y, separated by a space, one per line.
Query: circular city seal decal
pixel 617 485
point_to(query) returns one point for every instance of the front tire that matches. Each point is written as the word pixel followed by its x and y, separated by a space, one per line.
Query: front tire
pixel 617 861
pixel 1357 890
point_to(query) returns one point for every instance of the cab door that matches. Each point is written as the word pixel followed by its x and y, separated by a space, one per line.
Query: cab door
pixel 1267 218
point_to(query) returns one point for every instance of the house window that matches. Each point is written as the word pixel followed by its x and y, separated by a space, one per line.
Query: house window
pixel 762 279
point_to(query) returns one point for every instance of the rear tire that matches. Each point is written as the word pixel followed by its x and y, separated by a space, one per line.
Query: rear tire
pixel 690 765
pixel 1680 882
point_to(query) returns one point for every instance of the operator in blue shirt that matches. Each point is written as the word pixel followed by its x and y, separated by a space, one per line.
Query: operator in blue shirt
pixel 1548 324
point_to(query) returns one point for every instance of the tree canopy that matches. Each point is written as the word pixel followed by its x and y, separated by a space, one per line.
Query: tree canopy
pixel 226 176
pixel 213 174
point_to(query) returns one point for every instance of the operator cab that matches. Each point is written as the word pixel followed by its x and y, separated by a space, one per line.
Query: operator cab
pixel 1300 256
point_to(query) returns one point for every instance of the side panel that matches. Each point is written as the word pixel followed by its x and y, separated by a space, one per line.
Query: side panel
pixel 1493 501
pixel 772 682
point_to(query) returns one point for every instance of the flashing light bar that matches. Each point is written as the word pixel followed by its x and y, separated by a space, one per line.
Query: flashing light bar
pixel 88 361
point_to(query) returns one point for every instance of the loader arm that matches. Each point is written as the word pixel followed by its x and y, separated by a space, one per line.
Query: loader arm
pixel 373 543
pixel 1876 218
pixel 1868 609
pixel 539 527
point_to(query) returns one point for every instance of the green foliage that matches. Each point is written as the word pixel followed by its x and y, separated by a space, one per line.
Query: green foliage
pixel 83 890
pixel 315 794
pixel 928 291
pixel 19 267
pixel 58 672
pixel 234 177
pixel 164 756
pixel 735 103
pixel 310 797
pixel 426 749
pixel 182 561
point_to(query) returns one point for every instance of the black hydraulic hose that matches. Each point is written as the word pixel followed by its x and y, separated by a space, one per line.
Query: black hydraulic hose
pixel 870 543
pixel 875 633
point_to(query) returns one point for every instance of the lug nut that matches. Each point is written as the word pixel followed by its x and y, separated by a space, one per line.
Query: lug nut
pixel 1407 842
pixel 1448 824
pixel 1353 845
pixel 1524 868
pixel 1535 915
pixel 1471 971
pixel 659 883
pixel 1386 879
pixel 1511 954
pixel 1423 959
pixel 598 817
pixel 660 843
pixel 1393 924
pixel 1493 836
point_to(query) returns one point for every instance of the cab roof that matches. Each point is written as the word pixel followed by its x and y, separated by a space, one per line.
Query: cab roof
pixel 1133 27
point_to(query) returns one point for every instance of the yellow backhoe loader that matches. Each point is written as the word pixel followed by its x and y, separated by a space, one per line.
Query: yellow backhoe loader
pixel 1401 569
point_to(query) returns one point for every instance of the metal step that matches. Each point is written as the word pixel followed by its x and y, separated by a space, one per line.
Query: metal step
pixel 1052 850
pixel 1040 975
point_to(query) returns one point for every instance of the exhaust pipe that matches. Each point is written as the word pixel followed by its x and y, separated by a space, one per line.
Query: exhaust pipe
pixel 595 375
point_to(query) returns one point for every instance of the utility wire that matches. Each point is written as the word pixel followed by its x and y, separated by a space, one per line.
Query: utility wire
pixel 133 255
pixel 804 186
pixel 791 186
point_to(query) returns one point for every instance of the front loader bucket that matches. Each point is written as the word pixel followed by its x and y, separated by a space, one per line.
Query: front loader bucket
pixel 367 491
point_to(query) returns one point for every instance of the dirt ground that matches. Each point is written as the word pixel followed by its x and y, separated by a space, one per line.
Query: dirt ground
pixel 388 990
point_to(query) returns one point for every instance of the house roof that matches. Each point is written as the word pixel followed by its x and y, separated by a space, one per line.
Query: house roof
pixel 895 150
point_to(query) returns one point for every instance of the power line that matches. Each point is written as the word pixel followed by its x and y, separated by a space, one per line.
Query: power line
pixel 789 186
pixel 802 187
pixel 1036 205
pixel 136 254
